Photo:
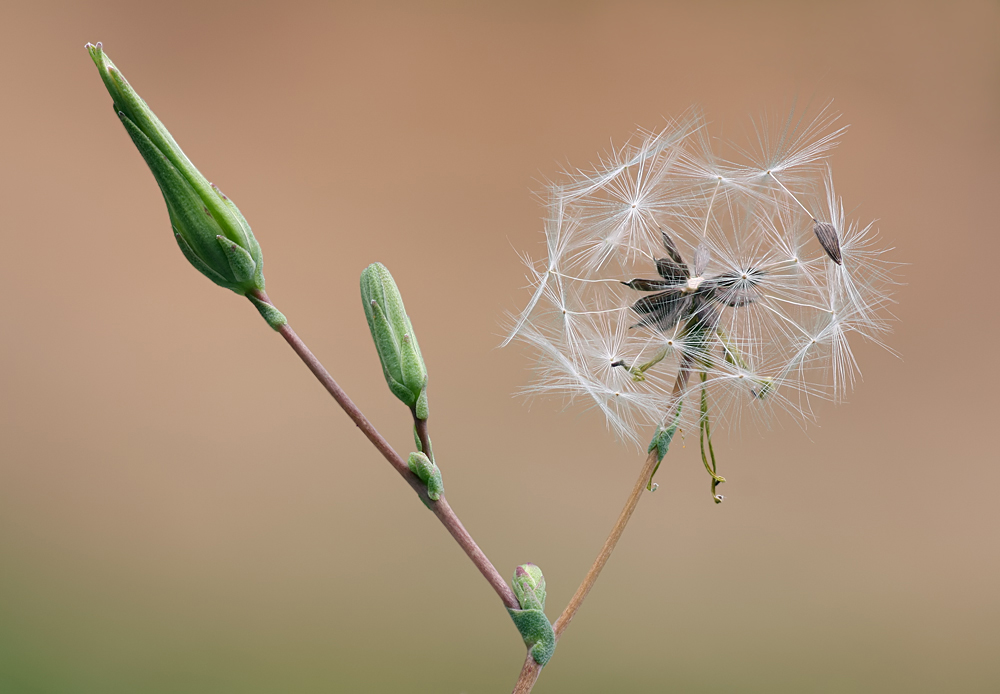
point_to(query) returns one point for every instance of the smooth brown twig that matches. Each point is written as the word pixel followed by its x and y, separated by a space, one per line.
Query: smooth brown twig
pixel 420 427
pixel 531 670
pixel 441 508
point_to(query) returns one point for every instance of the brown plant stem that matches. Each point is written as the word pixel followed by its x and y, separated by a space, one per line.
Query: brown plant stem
pixel 441 508
pixel 420 427
pixel 531 670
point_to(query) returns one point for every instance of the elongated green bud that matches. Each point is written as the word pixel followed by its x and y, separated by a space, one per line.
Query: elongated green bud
pixel 394 338
pixel 208 227
pixel 530 620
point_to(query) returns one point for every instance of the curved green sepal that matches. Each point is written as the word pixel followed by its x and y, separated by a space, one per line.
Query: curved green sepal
pixel 537 632
pixel 661 443
pixel 429 473
pixel 385 344
pixel 198 264
pixel 414 374
pixel 421 409
pixel 384 338
pixel 241 262
pixel 273 316
pixel 255 252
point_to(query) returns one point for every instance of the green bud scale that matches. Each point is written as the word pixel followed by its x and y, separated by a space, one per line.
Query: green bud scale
pixel 529 587
pixel 429 473
pixel 208 227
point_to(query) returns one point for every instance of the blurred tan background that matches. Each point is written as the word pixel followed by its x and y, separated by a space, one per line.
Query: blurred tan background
pixel 183 509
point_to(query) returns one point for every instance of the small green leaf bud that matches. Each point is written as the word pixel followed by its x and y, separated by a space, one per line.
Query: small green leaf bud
pixel 273 316
pixel 530 620
pixel 395 341
pixel 529 587
pixel 208 227
pixel 429 473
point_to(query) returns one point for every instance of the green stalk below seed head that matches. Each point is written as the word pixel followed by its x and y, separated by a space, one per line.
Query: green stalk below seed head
pixel 395 341
pixel 208 227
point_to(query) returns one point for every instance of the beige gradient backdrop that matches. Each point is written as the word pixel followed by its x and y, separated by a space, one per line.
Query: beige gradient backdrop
pixel 183 509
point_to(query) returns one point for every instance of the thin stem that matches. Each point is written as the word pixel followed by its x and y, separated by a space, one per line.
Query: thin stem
pixel 708 216
pixel 531 670
pixel 420 427
pixel 804 208
pixel 441 508
pixel 529 675
pixel 609 545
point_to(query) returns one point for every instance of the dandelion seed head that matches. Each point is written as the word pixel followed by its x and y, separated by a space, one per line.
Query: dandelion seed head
pixel 666 260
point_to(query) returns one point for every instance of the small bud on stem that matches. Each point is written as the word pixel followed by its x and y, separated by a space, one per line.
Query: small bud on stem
pixel 422 466
pixel 530 620
pixel 395 341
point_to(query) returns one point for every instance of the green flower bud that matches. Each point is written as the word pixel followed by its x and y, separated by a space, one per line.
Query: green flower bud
pixel 429 473
pixel 530 620
pixel 208 227
pixel 394 338
pixel 529 587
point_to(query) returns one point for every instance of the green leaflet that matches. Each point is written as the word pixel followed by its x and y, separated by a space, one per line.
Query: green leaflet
pixel 429 473
pixel 537 632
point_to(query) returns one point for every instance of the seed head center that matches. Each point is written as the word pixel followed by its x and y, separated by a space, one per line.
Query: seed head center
pixel 693 284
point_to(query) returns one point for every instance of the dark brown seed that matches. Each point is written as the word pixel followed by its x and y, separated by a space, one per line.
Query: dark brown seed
pixel 648 285
pixel 671 247
pixel 676 273
pixel 827 235
pixel 662 310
